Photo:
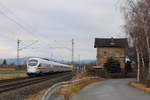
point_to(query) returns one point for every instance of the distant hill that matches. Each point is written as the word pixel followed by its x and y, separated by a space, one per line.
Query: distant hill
pixel 24 60
pixel 14 60
pixel 86 61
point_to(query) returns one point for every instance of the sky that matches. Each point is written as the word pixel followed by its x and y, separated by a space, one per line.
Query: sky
pixel 46 27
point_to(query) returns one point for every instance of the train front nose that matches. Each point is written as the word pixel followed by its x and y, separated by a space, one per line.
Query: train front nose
pixel 31 70
pixel 32 66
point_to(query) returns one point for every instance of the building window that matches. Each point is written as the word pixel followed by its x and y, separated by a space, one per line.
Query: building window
pixel 117 54
pixel 105 54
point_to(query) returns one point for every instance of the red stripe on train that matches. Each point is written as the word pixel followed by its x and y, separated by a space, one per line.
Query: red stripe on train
pixel 43 68
pixel 50 68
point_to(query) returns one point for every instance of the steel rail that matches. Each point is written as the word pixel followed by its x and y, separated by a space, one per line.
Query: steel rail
pixel 22 83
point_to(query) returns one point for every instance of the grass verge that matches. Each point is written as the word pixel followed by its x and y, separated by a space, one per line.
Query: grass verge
pixel 140 86
pixel 76 87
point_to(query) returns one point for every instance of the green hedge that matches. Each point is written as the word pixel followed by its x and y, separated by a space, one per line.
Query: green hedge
pixel 103 73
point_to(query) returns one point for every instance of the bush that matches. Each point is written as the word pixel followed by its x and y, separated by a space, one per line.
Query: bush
pixel 95 72
pixel 112 66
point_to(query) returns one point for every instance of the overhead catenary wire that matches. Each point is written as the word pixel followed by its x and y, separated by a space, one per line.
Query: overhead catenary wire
pixel 16 20
pixel 12 13
pixel 27 46
pixel 1 12
pixel 22 25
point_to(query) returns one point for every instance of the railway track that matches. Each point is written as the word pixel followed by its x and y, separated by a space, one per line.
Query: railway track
pixel 19 83
pixel 10 80
pixel 18 79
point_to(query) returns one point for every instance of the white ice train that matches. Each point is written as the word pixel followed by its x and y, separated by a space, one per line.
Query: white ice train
pixel 37 66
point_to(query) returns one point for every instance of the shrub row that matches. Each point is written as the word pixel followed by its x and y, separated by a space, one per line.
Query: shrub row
pixel 103 73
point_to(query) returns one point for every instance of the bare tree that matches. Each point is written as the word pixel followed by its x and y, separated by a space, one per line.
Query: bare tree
pixel 137 18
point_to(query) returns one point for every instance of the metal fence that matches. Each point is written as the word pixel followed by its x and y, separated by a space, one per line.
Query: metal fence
pixel 49 95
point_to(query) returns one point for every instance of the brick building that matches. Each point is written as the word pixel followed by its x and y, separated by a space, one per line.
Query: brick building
pixel 111 47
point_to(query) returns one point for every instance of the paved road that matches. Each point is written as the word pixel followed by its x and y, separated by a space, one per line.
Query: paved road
pixel 111 90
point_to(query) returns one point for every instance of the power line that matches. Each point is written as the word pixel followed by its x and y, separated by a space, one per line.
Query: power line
pixel 1 12
pixel 18 24
pixel 12 13
pixel 27 46
pixel 24 28
pixel 16 21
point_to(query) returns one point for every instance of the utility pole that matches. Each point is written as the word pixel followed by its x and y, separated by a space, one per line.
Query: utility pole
pixel 73 52
pixel 51 56
pixel 18 51
pixel 79 59
pixel 79 64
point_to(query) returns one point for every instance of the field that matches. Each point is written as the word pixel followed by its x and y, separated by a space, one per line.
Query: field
pixel 7 74
pixel 7 69
pixel 11 72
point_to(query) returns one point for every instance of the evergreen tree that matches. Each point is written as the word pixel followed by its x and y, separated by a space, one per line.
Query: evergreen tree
pixel 4 62
pixel 112 66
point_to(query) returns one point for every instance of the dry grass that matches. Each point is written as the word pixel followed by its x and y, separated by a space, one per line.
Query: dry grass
pixel 81 75
pixel 37 96
pixel 69 90
pixel 140 86
pixel 76 87
pixel 12 76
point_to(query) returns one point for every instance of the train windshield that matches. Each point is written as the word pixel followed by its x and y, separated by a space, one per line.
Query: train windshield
pixel 33 62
